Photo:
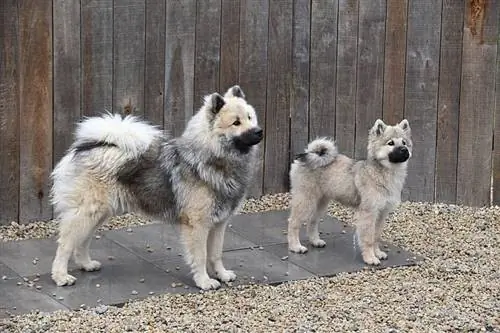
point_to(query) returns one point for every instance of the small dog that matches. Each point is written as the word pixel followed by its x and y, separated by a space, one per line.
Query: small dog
pixel 198 180
pixel 372 186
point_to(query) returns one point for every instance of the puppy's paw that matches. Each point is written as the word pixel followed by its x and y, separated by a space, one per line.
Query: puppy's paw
pixel 318 243
pixel 380 254
pixel 63 279
pixel 371 260
pixel 90 266
pixel 206 283
pixel 298 249
pixel 226 275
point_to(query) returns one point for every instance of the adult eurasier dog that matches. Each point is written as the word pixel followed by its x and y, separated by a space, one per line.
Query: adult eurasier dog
pixel 198 180
pixel 372 186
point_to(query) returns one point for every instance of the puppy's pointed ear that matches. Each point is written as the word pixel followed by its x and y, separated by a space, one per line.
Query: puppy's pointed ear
pixel 235 91
pixel 379 127
pixel 215 102
pixel 405 125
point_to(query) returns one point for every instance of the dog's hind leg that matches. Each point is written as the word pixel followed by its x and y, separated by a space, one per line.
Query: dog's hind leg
pixel 313 226
pixel 303 209
pixel 215 245
pixel 365 222
pixel 81 253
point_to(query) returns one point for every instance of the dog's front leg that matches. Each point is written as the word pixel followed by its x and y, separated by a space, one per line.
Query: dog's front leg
pixel 215 246
pixel 379 227
pixel 365 222
pixel 195 236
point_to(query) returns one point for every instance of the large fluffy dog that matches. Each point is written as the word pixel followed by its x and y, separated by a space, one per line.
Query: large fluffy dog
pixel 372 186
pixel 198 180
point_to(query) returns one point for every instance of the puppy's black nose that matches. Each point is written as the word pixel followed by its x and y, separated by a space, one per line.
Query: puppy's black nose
pixel 259 132
pixel 403 148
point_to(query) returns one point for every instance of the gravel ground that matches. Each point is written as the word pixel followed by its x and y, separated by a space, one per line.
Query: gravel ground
pixel 456 289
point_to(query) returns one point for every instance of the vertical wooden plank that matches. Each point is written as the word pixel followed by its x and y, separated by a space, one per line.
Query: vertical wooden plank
pixel 35 61
pixel 496 135
pixel 9 112
pixel 323 68
pixel 230 44
pixel 422 71
pixel 154 71
pixel 347 52
pixel 253 70
pixel 370 70
pixel 395 60
pixel 278 97
pixel 299 99
pixel 67 76
pixel 179 64
pixel 477 101
pixel 97 56
pixel 449 101
pixel 207 54
pixel 128 52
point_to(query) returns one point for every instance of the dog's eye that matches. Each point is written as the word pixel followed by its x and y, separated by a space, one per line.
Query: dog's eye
pixel 404 143
pixel 237 123
pixel 390 143
pixel 249 118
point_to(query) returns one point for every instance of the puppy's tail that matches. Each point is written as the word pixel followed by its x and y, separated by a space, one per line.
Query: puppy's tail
pixel 131 135
pixel 319 153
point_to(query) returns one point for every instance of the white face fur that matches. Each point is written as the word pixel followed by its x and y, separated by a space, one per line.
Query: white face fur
pixel 387 143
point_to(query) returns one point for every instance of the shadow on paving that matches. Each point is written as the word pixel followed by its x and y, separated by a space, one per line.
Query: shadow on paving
pixel 147 260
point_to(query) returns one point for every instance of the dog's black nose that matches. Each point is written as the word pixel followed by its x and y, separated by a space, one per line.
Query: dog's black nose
pixel 259 132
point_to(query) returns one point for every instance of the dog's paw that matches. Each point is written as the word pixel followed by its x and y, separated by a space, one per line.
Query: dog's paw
pixel 91 266
pixel 63 279
pixel 298 249
pixel 226 275
pixel 380 254
pixel 371 260
pixel 207 283
pixel 318 243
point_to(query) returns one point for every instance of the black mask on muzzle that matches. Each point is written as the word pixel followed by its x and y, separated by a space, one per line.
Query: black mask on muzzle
pixel 399 155
pixel 248 139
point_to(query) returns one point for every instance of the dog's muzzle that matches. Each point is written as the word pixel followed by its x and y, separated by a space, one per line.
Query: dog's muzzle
pixel 249 138
pixel 399 155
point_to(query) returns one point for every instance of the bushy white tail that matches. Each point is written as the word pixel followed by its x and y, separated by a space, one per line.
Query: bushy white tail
pixel 319 153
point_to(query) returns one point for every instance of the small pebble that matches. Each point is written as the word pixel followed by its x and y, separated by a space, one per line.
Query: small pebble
pixel 98 285
pixel 169 248
pixel 4 277
pixel 142 280
pixel 111 258
pixel 60 298
pixel 284 258
pixel 19 283
pixel 150 250
pixel 134 292
pixel 97 237
pixel 151 293
pixel 129 230
pixel 101 309
pixel 39 287
pixel 261 248
pixel 177 267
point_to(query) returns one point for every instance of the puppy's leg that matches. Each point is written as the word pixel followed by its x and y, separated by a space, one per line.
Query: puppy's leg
pixel 215 246
pixel 313 227
pixel 379 227
pixel 365 228
pixel 195 237
pixel 81 253
pixel 302 210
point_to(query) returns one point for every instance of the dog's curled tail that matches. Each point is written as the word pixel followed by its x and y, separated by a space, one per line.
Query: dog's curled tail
pixel 128 133
pixel 319 153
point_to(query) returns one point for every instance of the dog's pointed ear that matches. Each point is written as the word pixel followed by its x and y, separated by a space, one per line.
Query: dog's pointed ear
pixel 235 91
pixel 215 102
pixel 405 125
pixel 379 127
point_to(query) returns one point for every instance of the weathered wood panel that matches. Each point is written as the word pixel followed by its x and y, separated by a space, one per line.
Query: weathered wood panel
pixel 421 94
pixel 97 56
pixel 9 112
pixel 229 44
pixel 449 101
pixel 496 135
pixel 254 16
pixel 299 99
pixel 347 55
pixel 207 53
pixel 278 97
pixel 128 56
pixel 370 70
pixel 154 71
pixel 477 102
pixel 179 64
pixel 323 68
pixel 395 60
pixel 67 74
pixel 35 69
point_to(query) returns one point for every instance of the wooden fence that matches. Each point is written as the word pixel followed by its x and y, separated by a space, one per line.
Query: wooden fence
pixel 310 68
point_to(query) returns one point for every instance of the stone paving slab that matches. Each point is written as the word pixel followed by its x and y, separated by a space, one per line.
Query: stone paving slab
pixel 145 260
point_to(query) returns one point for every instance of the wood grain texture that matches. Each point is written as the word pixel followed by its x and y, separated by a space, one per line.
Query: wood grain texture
pixel 128 56
pixel 207 54
pixel 179 64
pixel 323 68
pixel 299 99
pixel 395 60
pixel 254 16
pixel 279 76
pixel 9 112
pixel 496 135
pixel 35 69
pixel 347 52
pixel 477 102
pixel 229 44
pixel 97 56
pixel 67 74
pixel 370 70
pixel 449 101
pixel 154 71
pixel 421 94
